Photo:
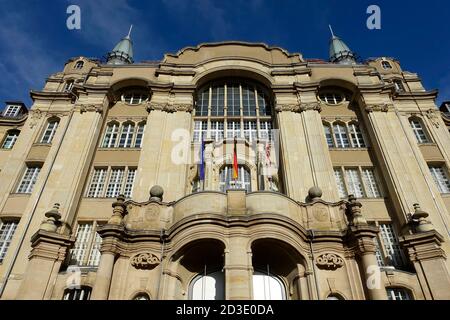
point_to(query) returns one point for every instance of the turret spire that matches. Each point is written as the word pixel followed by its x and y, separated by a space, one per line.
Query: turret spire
pixel 339 51
pixel 122 52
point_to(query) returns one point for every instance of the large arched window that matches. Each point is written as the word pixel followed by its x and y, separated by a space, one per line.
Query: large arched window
pixel 267 287
pixel 243 180
pixel 233 108
pixel 208 287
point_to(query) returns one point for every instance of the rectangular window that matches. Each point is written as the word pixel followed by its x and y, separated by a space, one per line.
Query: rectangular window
pixel 78 294
pixel 97 183
pixel 391 245
pixel 200 130
pixel 263 104
pixel 10 139
pixel 11 111
pixel 341 136
pixel 419 132
pixel 49 132
pixel 370 183
pixel 441 178
pixel 217 130
pixel 248 101
pixel 340 183
pixel 250 130
pixel 128 191
pixel 139 135
pixel 354 183
pixel 7 230
pixel 217 101
pixel 86 250
pixel 233 100
pixel 201 109
pixel 126 137
pixel 29 179
pixel 398 294
pixel 265 132
pixel 242 182
pixel 115 183
pixel 233 129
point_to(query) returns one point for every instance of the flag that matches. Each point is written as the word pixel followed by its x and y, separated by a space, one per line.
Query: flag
pixel 202 161
pixel 235 162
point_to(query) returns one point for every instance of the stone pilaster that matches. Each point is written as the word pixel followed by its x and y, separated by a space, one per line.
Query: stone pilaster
pixel 238 270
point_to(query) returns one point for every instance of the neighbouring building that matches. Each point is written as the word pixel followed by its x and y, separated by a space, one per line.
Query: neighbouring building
pixel 341 175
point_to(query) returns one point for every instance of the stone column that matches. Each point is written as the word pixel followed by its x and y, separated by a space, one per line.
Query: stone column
pixel 238 270
pixel 104 275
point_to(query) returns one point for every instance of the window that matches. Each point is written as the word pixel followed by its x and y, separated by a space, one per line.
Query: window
pixel 332 98
pixel 419 131
pixel 334 297
pixel 50 131
pixel 356 135
pixel 441 178
pixel 217 130
pixel 250 130
pixel 134 98
pixel 200 130
pixel 10 139
pixel 86 250
pixel 398 294
pixel 242 182
pixel 141 296
pixel 84 293
pixel 340 134
pixel 11 111
pixel 399 87
pixel 360 182
pixel 117 181
pixel 389 252
pixel 386 65
pixel 29 179
pixel 68 86
pixel 265 131
pixel 267 287
pixel 208 287
pixel 337 135
pixel 79 65
pixel 126 136
pixel 244 108
pixel 7 230
pixel 139 135
pixel 111 133
pixel 328 135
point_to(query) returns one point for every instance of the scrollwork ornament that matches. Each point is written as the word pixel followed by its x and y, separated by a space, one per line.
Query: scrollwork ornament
pixel 146 260
pixel 433 117
pixel 329 261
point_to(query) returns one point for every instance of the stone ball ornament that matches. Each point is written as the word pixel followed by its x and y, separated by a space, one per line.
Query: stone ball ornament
pixel 315 193
pixel 156 193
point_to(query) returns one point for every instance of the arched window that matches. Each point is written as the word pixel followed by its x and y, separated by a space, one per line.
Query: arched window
pixel 328 135
pixel 111 134
pixel 68 86
pixel 50 131
pixel 10 139
pixel 334 296
pixel 232 108
pixel 267 287
pixel 79 65
pixel 141 296
pixel 139 135
pixel 398 294
pixel 134 97
pixel 419 131
pixel 208 287
pixel 399 87
pixel 126 135
pixel 340 135
pixel 243 180
pixel 84 293
pixel 356 135
pixel 386 65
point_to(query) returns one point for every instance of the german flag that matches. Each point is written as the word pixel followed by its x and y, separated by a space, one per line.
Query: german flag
pixel 235 161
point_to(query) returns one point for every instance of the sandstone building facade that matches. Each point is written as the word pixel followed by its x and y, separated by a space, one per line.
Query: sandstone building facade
pixel 343 189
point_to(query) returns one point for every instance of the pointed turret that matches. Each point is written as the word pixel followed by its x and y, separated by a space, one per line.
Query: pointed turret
pixel 122 52
pixel 340 52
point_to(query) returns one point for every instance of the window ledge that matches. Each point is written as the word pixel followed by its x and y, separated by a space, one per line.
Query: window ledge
pixel 348 149
pixel 18 194
pixel 119 149
pixel 428 144
pixel 42 144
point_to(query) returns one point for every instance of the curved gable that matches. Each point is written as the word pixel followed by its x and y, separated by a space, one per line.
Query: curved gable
pixel 233 49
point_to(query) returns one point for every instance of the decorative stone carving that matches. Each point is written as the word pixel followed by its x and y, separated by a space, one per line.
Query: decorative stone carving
pixel 145 261
pixel 35 115
pixel 170 107
pixel 152 212
pixel 329 261
pixel 287 107
pixel 434 118
pixel 384 107
pixel 315 106
pixel 90 108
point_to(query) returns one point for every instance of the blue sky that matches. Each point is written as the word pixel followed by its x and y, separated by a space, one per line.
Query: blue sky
pixel 35 42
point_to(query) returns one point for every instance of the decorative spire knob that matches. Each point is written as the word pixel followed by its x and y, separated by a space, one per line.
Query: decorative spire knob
pixel 419 218
pixel 53 219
